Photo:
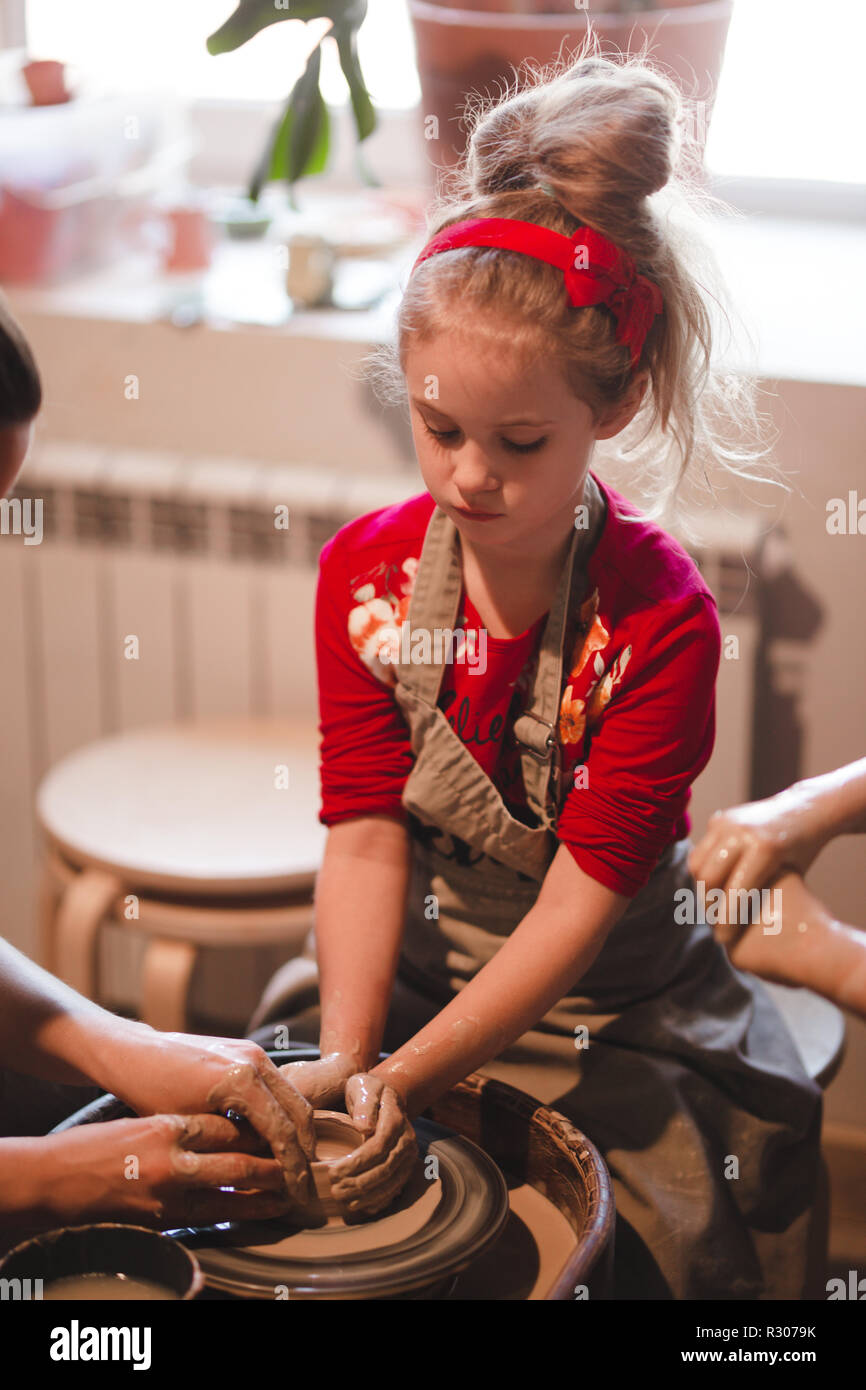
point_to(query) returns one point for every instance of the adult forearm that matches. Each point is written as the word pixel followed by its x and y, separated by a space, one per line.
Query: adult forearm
pixel 360 907
pixel 48 1030
pixel 850 991
pixel 839 798
pixel 25 1184
pixel 549 950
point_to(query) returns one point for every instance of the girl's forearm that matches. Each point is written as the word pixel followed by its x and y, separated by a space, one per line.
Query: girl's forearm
pixel 545 955
pixel 49 1030
pixel 359 912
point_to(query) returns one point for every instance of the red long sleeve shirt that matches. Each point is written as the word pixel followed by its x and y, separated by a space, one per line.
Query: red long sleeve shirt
pixel 637 715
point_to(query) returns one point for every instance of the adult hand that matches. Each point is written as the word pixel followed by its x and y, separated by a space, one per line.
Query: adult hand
pixel 181 1073
pixel 747 846
pixel 369 1179
pixel 162 1171
pixel 791 943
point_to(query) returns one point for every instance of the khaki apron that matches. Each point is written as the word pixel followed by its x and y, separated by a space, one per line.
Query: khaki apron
pixel 678 1068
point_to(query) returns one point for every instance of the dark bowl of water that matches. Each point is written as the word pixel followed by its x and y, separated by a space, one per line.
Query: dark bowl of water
pixel 106 1260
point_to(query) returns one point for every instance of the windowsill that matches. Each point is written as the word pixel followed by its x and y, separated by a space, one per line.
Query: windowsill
pixel 774 267
pixel 242 289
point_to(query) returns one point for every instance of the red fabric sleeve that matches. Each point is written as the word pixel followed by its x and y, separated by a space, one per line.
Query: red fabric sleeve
pixel 365 750
pixel 654 738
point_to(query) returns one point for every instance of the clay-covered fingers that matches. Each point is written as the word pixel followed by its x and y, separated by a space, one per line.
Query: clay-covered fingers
pixel 277 1110
pixel 211 1133
pixel 364 1094
pixel 296 1106
pixel 208 1158
pixel 205 1207
pixel 371 1177
pixel 372 1188
pixel 242 1172
pixel 208 1152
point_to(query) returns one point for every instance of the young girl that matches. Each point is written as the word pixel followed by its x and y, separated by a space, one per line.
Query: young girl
pixel 507 811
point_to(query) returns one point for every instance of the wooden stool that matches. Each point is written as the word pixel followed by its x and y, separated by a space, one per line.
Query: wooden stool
pixel 201 834
pixel 818 1029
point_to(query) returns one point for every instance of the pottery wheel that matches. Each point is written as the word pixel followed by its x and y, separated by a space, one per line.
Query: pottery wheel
pixel 436 1227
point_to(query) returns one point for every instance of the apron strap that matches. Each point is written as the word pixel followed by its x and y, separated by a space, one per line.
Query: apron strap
pixel 436 599
pixel 536 730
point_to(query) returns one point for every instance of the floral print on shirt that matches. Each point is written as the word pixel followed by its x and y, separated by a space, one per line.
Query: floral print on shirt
pixel 375 624
pixel 588 674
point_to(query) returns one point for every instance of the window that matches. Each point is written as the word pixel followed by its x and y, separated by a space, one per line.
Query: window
pixel 131 45
pixel 789 104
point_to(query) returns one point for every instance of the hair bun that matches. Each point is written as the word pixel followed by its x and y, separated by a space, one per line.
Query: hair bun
pixel 603 133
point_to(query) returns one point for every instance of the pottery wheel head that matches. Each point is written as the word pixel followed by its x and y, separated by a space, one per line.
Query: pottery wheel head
pixel 454 1206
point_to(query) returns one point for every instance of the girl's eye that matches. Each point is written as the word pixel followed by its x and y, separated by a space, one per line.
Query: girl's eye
pixel 441 435
pixel 526 448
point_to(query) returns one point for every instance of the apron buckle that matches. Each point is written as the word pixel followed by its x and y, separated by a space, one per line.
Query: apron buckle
pixel 549 742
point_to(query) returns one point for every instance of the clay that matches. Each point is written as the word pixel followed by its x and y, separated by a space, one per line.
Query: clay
pixel 102 1286
pixel 336 1138
pixel 334 1238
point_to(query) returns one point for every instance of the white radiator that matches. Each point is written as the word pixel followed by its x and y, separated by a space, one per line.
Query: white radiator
pixel 183 554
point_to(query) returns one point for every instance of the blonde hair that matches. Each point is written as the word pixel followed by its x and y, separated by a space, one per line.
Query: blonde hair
pixel 610 139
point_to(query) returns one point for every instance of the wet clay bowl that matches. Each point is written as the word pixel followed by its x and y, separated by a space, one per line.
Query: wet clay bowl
pixel 336 1137
pixel 140 1263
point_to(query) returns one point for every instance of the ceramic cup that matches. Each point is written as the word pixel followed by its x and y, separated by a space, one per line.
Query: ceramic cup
pixel 336 1137
pixel 190 239
pixel 310 276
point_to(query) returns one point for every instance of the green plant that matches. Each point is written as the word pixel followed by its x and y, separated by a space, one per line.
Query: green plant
pixel 300 141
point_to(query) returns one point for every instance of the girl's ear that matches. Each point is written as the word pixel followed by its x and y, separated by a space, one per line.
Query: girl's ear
pixel 621 414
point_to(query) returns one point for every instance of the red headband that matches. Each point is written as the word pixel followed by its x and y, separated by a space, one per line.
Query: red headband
pixel 608 276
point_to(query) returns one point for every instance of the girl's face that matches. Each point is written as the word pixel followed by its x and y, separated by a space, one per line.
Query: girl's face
pixel 502 439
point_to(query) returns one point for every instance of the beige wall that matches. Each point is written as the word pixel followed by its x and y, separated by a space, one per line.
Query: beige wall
pixel 823 439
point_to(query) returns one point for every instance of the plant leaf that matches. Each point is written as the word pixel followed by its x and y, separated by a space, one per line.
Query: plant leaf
pixel 305 127
pixel 318 157
pixel 251 16
pixel 301 138
pixel 362 106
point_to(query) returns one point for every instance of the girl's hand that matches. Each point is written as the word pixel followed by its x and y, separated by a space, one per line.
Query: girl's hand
pixel 184 1074
pixel 163 1171
pixel 322 1083
pixel 369 1179
pixel 747 846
